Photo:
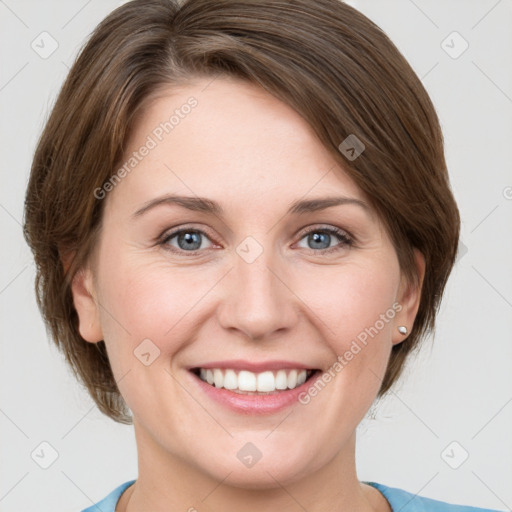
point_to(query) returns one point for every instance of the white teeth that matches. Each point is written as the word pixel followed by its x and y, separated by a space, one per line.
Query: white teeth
pixel 245 381
pixel 230 380
pixel 266 382
pixel 292 379
pixel 281 380
pixel 218 378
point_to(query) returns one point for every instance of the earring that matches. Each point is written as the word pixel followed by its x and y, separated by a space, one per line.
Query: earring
pixel 402 329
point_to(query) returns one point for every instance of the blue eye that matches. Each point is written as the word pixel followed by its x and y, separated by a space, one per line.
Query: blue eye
pixel 318 239
pixel 188 240
pixel 321 238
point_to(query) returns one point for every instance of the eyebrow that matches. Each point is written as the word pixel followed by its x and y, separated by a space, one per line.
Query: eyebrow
pixel 202 204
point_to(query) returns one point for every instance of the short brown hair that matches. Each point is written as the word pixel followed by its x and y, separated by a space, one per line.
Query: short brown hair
pixel 323 58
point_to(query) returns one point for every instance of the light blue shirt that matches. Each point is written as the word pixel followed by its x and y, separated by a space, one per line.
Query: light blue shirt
pixel 399 500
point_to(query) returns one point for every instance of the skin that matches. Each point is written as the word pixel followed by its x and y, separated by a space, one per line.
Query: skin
pixel 254 155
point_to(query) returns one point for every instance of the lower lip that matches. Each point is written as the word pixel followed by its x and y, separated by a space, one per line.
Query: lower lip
pixel 255 404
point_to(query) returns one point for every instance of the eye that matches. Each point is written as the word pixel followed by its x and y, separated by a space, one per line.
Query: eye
pixel 188 240
pixel 319 239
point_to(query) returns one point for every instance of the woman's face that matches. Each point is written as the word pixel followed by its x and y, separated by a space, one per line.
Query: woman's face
pixel 257 284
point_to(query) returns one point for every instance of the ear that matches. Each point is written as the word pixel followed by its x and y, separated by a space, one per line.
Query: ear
pixel 409 295
pixel 86 305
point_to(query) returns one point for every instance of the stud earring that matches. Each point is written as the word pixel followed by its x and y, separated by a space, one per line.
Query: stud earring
pixel 402 329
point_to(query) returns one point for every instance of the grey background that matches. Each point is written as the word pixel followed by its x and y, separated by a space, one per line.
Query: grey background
pixel 456 396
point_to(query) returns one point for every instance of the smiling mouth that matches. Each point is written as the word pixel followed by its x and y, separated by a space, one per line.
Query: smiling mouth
pixel 250 383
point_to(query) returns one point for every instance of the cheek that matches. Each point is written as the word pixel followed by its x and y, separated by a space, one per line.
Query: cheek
pixel 150 317
pixel 354 300
pixel 355 311
pixel 143 299
pixel 151 301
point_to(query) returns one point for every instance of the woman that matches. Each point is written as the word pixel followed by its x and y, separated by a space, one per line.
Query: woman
pixel 242 222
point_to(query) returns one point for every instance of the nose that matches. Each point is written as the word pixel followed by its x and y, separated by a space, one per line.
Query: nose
pixel 258 298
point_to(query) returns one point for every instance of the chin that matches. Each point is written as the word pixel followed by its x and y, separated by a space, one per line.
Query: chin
pixel 264 474
pixel 261 480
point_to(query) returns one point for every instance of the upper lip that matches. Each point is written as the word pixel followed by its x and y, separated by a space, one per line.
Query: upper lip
pixel 239 364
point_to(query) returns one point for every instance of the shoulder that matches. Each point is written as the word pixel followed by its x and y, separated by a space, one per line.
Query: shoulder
pixel 108 503
pixel 408 502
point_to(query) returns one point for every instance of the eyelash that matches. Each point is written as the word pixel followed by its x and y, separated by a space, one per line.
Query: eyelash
pixel 345 239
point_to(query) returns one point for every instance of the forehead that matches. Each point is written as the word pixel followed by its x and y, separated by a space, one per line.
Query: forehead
pixel 231 140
